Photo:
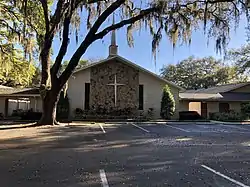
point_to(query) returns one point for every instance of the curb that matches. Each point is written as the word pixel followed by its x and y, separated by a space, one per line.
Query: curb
pixel 231 123
pixel 8 127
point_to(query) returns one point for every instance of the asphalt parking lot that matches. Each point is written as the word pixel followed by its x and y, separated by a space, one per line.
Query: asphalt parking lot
pixel 128 154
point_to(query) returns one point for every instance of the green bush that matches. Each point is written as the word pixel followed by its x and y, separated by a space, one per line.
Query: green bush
pixel 245 109
pixel 227 116
pixel 167 103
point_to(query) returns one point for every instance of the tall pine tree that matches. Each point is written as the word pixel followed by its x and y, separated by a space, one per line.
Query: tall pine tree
pixel 167 103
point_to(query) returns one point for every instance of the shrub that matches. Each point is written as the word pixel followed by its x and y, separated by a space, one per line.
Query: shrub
pixel 167 103
pixel 78 112
pixel 30 115
pixel 150 114
pixel 245 109
pixel 17 113
pixel 227 116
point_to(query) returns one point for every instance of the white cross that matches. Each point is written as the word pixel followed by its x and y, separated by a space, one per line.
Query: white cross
pixel 115 84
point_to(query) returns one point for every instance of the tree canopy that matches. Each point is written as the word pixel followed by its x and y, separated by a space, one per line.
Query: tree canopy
pixel 22 25
pixel 45 19
pixel 16 71
pixel 195 73
pixel 240 57
pixel 81 64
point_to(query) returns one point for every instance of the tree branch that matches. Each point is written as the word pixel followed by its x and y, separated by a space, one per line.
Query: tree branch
pixel 46 14
pixel 63 49
pixel 90 38
pixel 132 20
pixel 55 19
pixel 3 22
pixel 2 49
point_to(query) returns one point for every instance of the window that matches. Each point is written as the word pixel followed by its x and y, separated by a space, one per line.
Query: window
pixel 87 92
pixel 224 107
pixel 140 97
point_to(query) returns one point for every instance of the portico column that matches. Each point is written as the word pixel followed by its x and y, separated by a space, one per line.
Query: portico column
pixel 35 104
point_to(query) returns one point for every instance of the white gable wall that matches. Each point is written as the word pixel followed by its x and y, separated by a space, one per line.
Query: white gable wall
pixel 76 89
pixel 153 93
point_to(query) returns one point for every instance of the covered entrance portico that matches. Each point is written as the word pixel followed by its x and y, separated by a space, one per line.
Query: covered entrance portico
pixel 16 100
pixel 201 107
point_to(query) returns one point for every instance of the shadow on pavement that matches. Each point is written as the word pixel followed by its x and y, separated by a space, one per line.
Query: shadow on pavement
pixel 72 156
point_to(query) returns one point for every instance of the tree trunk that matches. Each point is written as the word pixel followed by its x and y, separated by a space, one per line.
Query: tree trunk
pixel 49 108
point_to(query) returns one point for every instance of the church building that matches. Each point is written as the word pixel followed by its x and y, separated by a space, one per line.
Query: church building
pixel 116 83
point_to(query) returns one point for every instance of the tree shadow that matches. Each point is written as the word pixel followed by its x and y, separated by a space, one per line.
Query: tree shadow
pixel 72 156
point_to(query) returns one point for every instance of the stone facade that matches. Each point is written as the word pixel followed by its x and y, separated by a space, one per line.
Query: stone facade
pixel 102 95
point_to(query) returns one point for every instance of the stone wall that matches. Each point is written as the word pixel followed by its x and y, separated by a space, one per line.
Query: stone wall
pixel 103 95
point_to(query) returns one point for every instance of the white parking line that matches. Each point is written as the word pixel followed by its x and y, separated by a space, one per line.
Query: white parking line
pixel 103 178
pixel 103 130
pixel 176 128
pixel 224 176
pixel 241 128
pixel 145 130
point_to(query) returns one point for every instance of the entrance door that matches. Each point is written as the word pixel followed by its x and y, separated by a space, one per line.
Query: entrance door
pixel 204 110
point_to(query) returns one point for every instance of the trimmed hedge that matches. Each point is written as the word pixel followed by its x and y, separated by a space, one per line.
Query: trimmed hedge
pixel 30 115
pixel 228 116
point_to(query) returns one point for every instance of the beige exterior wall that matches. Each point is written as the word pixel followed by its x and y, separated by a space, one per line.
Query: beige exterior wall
pixel 244 89
pixel 236 106
pixel 76 89
pixel 183 105
pixel 195 106
pixel 212 107
pixel 153 93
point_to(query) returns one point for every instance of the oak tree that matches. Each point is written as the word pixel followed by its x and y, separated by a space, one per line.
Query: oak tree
pixel 196 73
pixel 177 18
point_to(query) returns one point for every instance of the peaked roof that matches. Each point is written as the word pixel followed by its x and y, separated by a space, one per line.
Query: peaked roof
pixel 219 89
pixel 129 63
pixel 217 93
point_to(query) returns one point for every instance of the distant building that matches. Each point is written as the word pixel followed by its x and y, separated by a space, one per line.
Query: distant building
pixel 221 98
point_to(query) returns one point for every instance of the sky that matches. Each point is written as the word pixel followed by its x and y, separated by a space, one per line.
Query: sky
pixel 141 52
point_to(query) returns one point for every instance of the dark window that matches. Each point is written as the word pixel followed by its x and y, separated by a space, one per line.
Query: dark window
pixel 140 97
pixel 224 107
pixel 87 91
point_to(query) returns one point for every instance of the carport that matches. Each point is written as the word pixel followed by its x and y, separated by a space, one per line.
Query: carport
pixel 19 98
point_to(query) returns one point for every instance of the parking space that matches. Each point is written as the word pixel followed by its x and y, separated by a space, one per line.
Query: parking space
pixel 212 128
pixel 130 154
